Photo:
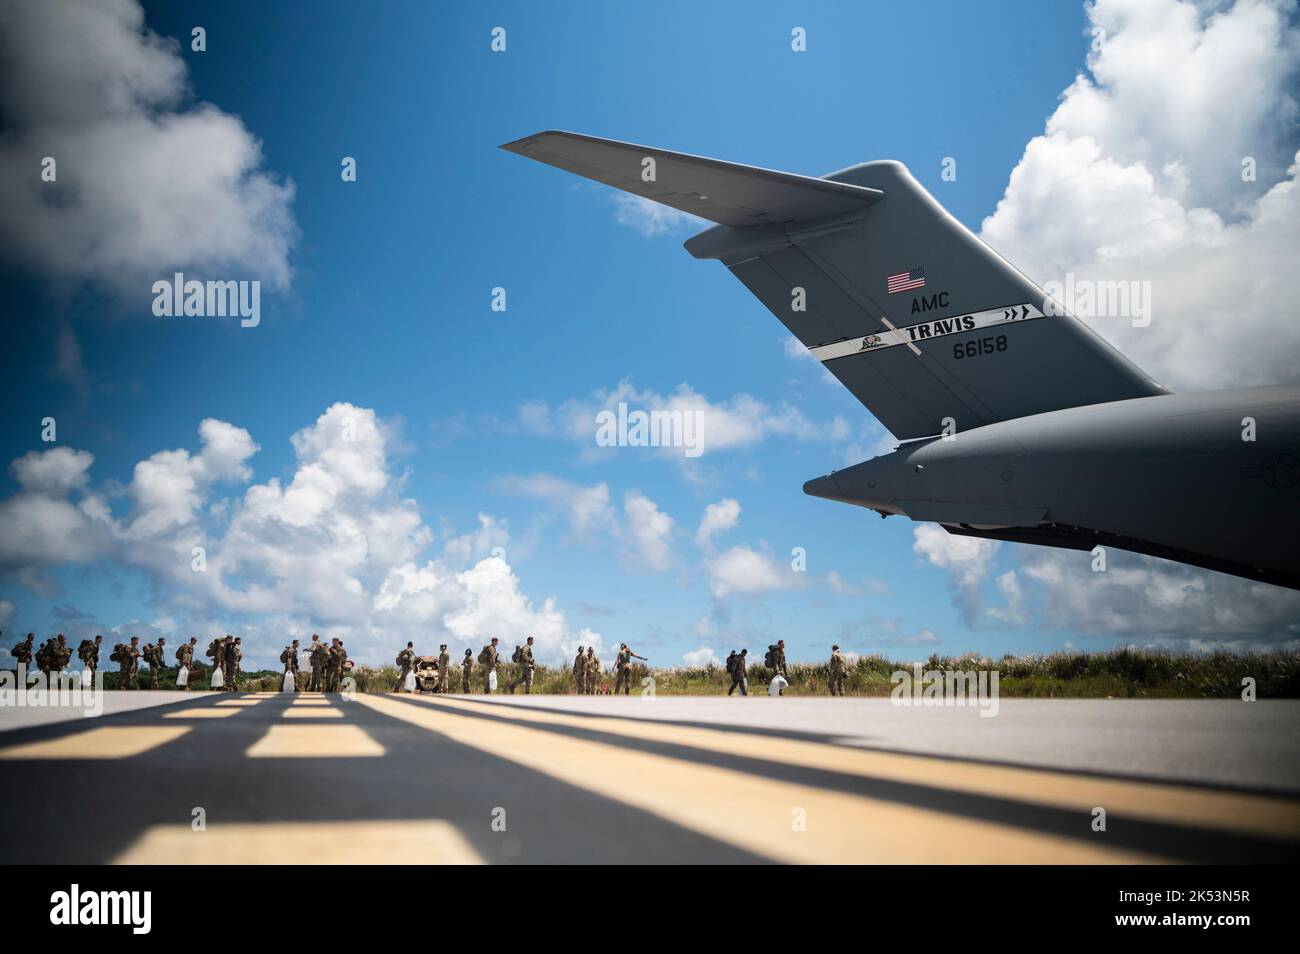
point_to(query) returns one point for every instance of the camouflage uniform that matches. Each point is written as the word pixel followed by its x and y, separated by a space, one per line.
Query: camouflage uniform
pixel 185 659
pixel 334 667
pixel 234 654
pixel 444 663
pixel 217 653
pixel 23 652
pixel 489 667
pixel 45 656
pixel 159 660
pixel 88 653
pixel 405 659
pixel 130 665
pixel 466 667
pixel 319 660
pixel 738 680
pixel 61 655
pixel 839 671
pixel 593 671
pixel 289 656
pixel 623 667
pixel 526 668
pixel 778 659
pixel 580 673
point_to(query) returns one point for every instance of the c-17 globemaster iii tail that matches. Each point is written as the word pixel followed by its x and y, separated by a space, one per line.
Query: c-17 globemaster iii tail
pixel 926 325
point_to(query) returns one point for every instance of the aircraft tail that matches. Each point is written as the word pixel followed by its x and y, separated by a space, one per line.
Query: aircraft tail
pixel 917 317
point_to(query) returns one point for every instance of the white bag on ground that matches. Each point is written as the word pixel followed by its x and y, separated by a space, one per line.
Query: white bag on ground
pixel 776 685
pixel 182 677
pixel 218 678
pixel 409 682
pixel 492 681
pixel 288 685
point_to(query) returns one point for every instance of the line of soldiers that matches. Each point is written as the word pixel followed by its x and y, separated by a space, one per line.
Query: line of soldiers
pixel 523 667
pixel 55 655
pixel 328 664
pixel 586 670
pixel 489 658
pixel 774 662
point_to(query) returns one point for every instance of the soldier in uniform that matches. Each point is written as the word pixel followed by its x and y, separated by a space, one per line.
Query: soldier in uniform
pixel 89 654
pixel 405 660
pixel 489 657
pixel 131 664
pixel 24 651
pixel 155 660
pixel 779 658
pixel 289 656
pixel 334 665
pixel 217 653
pixel 234 655
pixel 738 679
pixel 466 667
pixel 185 657
pixel 526 668
pixel 579 673
pixel 593 670
pixel 62 653
pixel 623 668
pixel 839 667
pixel 444 662
pixel 45 656
pixel 319 658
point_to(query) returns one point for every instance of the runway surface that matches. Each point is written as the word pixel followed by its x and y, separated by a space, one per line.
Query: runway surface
pixel 269 778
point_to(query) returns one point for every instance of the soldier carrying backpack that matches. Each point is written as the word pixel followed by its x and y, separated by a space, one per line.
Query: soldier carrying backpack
pixel 488 659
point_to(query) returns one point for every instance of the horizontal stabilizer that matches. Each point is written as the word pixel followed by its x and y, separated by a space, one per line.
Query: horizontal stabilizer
pixel 724 192
pixel 923 323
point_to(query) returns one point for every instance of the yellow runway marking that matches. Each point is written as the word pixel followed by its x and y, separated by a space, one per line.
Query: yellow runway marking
pixel 207 712
pixel 313 712
pixel 331 843
pixel 310 702
pixel 239 702
pixel 757 814
pixel 315 742
pixel 1257 814
pixel 118 742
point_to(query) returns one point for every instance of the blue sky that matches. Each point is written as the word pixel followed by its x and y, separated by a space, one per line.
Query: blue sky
pixel 386 308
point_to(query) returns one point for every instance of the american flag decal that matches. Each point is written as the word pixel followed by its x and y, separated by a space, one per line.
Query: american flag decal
pixel 906 281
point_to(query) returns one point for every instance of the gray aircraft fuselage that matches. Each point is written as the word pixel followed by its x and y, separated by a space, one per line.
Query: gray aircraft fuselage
pixel 1171 476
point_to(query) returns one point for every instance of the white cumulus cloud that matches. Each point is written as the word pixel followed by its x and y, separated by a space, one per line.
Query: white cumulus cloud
pixel 1139 177
pixel 147 182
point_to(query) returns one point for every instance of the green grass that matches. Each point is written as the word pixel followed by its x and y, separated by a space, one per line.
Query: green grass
pixel 1120 673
